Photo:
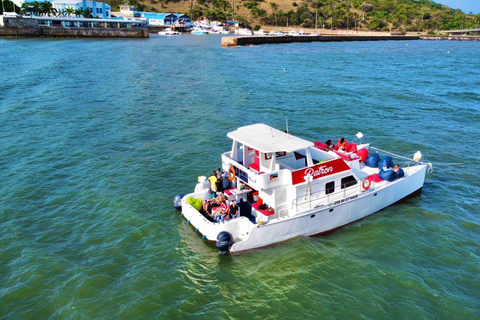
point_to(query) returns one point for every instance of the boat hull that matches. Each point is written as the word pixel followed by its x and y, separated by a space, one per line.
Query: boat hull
pixel 326 219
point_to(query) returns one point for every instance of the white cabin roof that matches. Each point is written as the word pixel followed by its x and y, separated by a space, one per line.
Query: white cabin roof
pixel 267 139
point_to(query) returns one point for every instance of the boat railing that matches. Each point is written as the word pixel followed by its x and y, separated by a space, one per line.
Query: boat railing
pixel 408 161
pixel 319 198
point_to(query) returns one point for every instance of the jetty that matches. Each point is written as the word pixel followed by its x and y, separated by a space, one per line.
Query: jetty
pixel 257 40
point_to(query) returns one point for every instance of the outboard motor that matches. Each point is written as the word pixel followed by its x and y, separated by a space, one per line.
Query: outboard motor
pixel 177 201
pixel 224 242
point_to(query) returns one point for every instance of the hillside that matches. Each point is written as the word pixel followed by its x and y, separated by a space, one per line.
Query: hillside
pixel 378 15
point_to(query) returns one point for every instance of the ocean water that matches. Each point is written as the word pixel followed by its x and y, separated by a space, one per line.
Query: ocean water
pixel 98 136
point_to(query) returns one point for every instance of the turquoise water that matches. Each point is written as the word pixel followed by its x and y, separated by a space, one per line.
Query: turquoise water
pixel 98 136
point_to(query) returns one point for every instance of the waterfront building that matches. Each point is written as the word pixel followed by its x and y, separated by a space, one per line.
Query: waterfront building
pixel 166 19
pixel 129 11
pixel 97 9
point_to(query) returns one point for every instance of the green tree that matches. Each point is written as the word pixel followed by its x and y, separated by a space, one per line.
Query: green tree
pixel 70 11
pixel 87 13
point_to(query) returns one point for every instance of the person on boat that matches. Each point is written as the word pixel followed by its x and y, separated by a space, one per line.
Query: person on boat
pixel 330 145
pixel 221 212
pixel 219 180
pixel 206 203
pixel 341 143
pixel 396 167
pixel 213 181
pixel 234 212
pixel 388 167
pixel 226 181
pixel 209 205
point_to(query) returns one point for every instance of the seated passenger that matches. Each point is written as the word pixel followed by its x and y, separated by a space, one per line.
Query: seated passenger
pixel 341 143
pixel 208 204
pixel 396 167
pixel 330 145
pixel 388 167
pixel 234 212
pixel 221 212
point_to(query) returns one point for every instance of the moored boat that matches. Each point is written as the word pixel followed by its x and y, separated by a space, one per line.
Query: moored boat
pixel 261 32
pixel 244 31
pixel 169 32
pixel 277 33
pixel 286 187
pixel 199 31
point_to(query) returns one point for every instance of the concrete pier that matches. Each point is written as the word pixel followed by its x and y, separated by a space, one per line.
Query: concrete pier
pixel 256 40
pixel 74 32
pixel 45 26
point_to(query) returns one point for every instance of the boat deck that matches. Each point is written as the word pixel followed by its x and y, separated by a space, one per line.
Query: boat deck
pixel 245 211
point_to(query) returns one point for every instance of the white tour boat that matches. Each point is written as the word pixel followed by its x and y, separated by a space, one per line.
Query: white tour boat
pixel 169 32
pixel 289 187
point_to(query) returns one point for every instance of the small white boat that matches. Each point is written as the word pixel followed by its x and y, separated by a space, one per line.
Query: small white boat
pixel 244 32
pixel 293 33
pixel 261 32
pixel 277 33
pixel 303 188
pixel 199 31
pixel 169 32
pixel 218 31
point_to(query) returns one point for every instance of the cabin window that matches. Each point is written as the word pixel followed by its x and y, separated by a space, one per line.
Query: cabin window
pixel 330 187
pixel 348 182
pixel 278 154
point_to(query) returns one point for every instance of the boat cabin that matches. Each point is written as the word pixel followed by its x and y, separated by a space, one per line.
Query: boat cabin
pixel 287 172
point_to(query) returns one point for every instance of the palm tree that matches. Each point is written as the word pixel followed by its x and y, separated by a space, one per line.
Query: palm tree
pixel 87 13
pixel 26 8
pixel 70 11
pixel 78 12
pixel 47 9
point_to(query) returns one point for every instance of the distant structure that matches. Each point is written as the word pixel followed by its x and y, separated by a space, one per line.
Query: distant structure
pixel 166 19
pixel 97 9
pixel 129 11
